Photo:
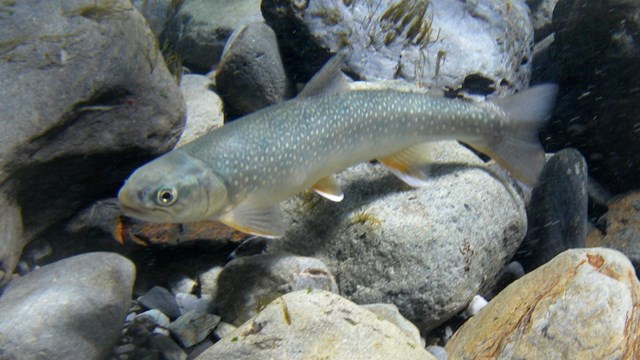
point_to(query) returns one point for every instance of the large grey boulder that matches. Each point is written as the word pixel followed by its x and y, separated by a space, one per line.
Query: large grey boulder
pixel 72 309
pixel 86 97
pixel 476 46
pixel 316 324
pixel 427 250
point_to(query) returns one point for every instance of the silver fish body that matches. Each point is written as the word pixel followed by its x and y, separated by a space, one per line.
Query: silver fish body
pixel 244 169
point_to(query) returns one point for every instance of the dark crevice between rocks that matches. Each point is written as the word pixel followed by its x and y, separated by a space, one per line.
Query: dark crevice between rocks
pixel 53 190
pixel 478 84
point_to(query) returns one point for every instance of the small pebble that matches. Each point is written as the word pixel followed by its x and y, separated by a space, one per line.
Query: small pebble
pixel 222 330
pixel 182 284
pixel 188 302
pixel 437 351
pixel 209 281
pixel 154 316
pixel 22 268
pixel 124 349
pixel 476 304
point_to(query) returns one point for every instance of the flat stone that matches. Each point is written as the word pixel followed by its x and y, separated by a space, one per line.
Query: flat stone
pixel 154 316
pixel 320 323
pixel 160 298
pixel 193 327
pixel 71 309
pixel 583 304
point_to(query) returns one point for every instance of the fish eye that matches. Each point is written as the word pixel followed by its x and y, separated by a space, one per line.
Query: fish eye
pixel 167 196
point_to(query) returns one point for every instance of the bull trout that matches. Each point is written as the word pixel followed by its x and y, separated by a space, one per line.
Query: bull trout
pixel 239 173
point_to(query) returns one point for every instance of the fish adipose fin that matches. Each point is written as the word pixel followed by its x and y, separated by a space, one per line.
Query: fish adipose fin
pixel 329 188
pixel 257 220
pixel 519 150
pixel 410 164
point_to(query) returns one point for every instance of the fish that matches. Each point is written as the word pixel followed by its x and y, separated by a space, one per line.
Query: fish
pixel 239 173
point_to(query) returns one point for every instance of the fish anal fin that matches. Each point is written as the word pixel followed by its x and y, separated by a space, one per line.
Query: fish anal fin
pixel 329 188
pixel 250 218
pixel 410 165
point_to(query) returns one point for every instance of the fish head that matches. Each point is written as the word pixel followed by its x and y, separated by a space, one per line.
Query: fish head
pixel 174 188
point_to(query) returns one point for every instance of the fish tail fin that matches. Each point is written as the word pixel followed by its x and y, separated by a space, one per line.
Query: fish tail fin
pixel 519 150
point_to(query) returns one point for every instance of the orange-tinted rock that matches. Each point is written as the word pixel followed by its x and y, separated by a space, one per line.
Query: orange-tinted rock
pixel 583 304
pixel 144 233
pixel 621 226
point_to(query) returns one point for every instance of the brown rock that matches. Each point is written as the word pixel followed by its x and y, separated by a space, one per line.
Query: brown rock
pixel 583 304
pixel 621 225
pixel 106 216
pixel 144 233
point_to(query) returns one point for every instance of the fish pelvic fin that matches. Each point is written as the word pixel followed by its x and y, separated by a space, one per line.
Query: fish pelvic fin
pixel 519 150
pixel 329 188
pixel 250 218
pixel 411 165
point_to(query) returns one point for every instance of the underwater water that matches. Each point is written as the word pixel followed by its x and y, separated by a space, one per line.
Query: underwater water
pixel 319 179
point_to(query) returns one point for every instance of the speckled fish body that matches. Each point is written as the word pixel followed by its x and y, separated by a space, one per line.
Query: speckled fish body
pixel 247 167
pixel 280 151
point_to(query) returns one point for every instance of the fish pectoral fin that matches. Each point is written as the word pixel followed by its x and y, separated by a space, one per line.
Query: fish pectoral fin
pixel 329 188
pixel 254 219
pixel 410 164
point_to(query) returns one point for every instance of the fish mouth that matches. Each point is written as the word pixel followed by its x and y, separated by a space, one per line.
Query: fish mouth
pixel 128 210
pixel 125 200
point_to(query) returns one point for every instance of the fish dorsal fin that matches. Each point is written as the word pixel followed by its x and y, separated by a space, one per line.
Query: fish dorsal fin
pixel 329 80
pixel 410 164
pixel 251 218
pixel 329 188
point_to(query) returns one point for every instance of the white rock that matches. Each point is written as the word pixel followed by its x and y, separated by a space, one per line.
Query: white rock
pixel 204 107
